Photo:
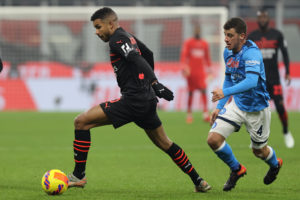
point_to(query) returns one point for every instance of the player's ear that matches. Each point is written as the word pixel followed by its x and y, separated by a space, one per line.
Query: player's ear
pixel 243 36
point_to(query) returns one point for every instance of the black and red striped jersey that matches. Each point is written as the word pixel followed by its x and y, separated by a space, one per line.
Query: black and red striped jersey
pixel 133 65
pixel 269 42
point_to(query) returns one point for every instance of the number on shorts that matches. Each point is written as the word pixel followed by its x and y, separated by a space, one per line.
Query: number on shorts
pixel 259 132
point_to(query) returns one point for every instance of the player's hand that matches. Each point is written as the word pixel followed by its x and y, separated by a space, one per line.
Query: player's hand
pixel 213 116
pixel 288 79
pixel 217 95
pixel 162 91
pixel 186 72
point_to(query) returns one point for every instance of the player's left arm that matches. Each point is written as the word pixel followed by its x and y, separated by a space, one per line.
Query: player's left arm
pixel 146 53
pixel 207 54
pixel 283 47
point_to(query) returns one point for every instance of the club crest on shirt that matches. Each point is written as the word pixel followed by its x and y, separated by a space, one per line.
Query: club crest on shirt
pixel 222 111
pixel 214 125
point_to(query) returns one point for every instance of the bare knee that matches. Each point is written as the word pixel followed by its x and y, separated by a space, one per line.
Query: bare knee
pixel 215 140
pixel 261 153
pixel 79 123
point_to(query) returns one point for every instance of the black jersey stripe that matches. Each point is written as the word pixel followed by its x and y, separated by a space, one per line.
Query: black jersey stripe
pixel 251 72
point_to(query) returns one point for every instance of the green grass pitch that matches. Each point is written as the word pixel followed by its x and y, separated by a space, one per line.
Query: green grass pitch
pixel 124 164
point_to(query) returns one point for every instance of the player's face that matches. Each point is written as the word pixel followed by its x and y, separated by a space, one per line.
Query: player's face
pixel 233 40
pixel 103 29
pixel 197 32
pixel 263 20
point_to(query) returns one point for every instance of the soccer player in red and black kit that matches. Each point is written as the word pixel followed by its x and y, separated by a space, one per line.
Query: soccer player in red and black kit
pixel 133 65
pixel 269 40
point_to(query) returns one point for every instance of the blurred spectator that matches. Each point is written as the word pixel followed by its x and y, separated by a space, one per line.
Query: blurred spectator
pixel 196 58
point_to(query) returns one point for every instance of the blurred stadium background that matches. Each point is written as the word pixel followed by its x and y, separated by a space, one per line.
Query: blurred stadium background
pixel 53 60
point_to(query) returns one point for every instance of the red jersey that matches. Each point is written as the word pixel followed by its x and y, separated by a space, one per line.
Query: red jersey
pixel 195 53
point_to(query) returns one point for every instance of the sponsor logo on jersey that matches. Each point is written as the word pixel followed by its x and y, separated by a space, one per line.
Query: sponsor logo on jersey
pixel 264 43
pixel 252 62
pixel 268 53
pixel 232 63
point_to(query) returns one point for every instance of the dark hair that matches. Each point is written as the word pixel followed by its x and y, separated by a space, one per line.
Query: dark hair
pixel 237 23
pixel 103 13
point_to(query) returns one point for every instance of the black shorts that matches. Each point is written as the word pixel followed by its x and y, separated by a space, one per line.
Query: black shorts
pixel 275 90
pixel 122 111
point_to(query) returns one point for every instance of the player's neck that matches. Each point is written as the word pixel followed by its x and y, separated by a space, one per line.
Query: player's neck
pixel 235 51
pixel 264 29
pixel 114 29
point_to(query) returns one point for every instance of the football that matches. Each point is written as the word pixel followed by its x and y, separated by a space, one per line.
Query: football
pixel 55 182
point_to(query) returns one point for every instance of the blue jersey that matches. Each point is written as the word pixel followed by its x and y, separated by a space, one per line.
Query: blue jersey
pixel 247 60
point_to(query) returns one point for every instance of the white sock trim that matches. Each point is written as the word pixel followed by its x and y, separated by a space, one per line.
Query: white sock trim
pixel 270 154
pixel 220 147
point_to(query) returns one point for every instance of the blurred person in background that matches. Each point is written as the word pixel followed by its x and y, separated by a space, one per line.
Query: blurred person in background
pixel 269 40
pixel 196 59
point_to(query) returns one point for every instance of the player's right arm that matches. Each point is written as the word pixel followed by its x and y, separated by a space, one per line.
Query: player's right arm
pixel 184 57
pixel 146 53
pixel 253 60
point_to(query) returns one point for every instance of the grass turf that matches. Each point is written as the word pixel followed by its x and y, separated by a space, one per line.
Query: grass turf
pixel 124 164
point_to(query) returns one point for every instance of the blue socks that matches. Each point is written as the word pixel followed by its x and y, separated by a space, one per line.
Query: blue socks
pixel 271 160
pixel 225 153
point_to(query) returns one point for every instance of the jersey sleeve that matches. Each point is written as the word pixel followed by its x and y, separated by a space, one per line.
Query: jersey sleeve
pixel 146 53
pixel 207 55
pixel 226 84
pixel 283 47
pixel 184 52
pixel 253 60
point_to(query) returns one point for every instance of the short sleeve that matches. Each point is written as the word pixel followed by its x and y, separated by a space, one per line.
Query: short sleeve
pixel 253 60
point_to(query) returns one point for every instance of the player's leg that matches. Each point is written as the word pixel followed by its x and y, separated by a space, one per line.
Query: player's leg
pixel 189 116
pixel 83 123
pixel 258 125
pixel 177 154
pixel 283 116
pixel 267 154
pixel 206 116
pixel 225 125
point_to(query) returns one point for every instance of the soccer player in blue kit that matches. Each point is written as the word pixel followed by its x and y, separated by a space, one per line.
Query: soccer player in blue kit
pixel 244 80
